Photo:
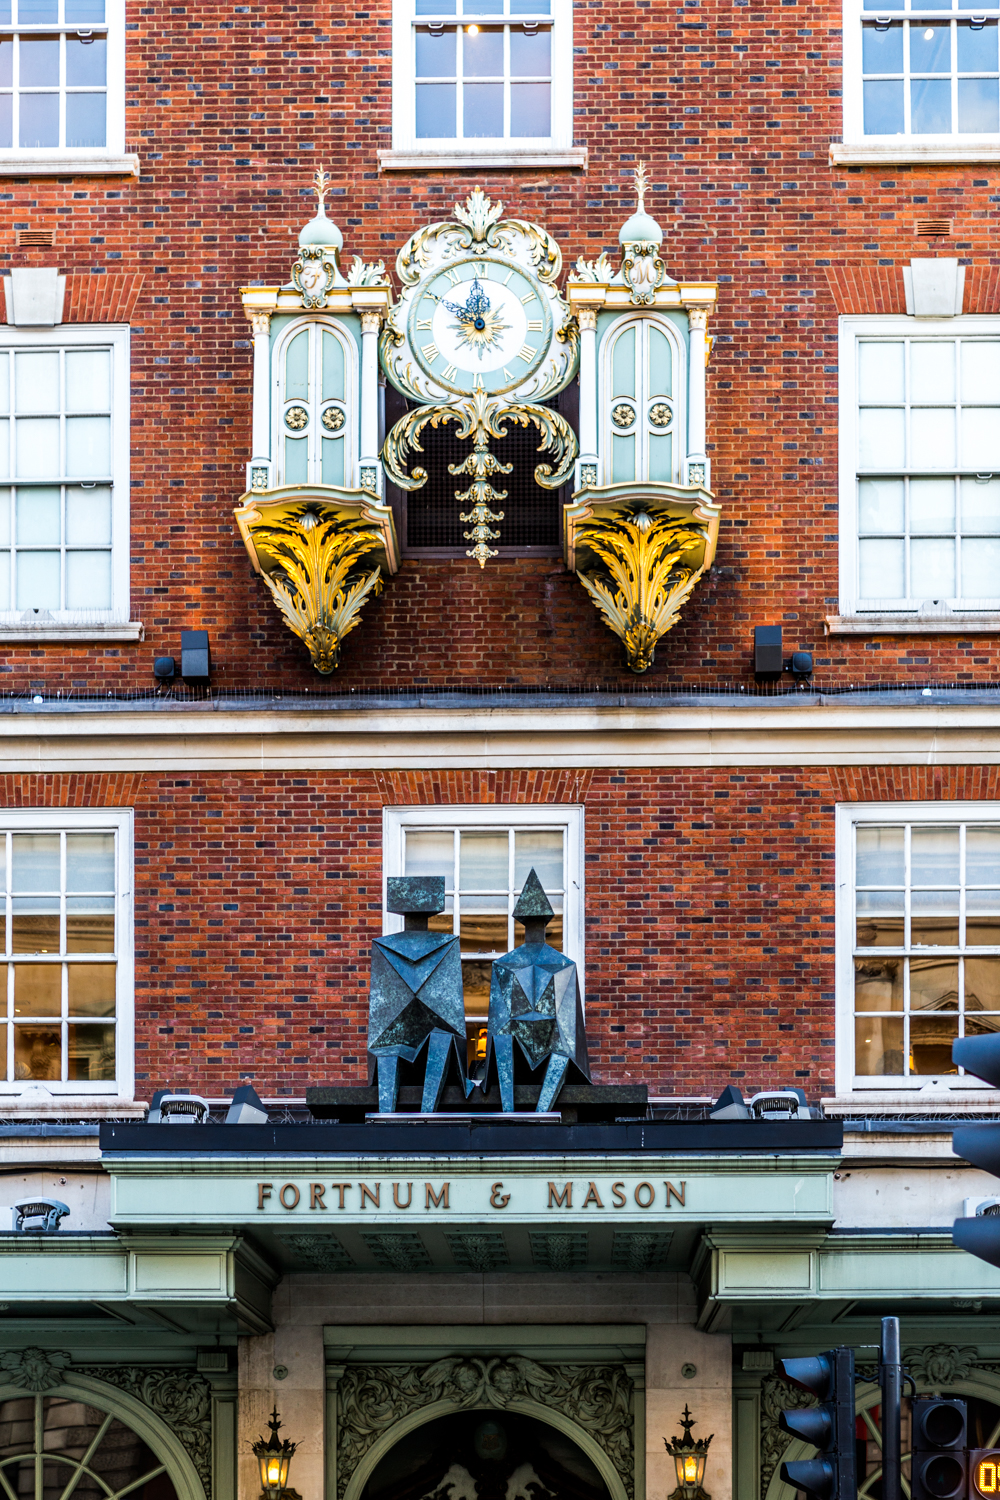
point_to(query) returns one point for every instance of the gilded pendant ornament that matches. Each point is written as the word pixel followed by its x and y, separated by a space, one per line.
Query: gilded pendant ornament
pixel 639 551
pixel 315 554
pixel 623 415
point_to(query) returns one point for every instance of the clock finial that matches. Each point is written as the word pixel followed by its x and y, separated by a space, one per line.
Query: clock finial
pixel 641 228
pixel 320 230
pixel 641 184
pixel 321 186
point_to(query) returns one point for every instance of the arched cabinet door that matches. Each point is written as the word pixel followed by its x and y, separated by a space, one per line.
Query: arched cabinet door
pixel 641 416
pixel 315 405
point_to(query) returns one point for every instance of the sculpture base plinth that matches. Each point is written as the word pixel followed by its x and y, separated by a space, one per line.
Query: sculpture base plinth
pixel 577 1102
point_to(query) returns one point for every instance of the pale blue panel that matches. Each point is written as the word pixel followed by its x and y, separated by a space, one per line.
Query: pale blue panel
pixel 623 365
pixel 333 367
pixel 296 460
pixel 661 457
pixel 622 459
pixel 333 461
pixel 660 364
pixel 297 367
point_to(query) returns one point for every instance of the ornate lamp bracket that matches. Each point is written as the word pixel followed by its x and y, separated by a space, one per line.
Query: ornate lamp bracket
pixel 639 550
pixel 322 553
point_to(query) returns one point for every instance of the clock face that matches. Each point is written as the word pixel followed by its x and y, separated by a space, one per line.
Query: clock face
pixel 479 323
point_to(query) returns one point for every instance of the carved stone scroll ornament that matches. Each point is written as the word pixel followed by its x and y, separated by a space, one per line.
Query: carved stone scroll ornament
pixel 939 1365
pixel 777 1394
pixel 33 1369
pixel 315 556
pixel 373 1398
pixel 180 1398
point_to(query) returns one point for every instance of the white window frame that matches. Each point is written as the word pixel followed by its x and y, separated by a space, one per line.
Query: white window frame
pixel 857 147
pixel 678 399
pixel 116 338
pixel 113 152
pixel 555 149
pixel 350 402
pixel 848 816
pixel 852 328
pixel 567 816
pixel 119 821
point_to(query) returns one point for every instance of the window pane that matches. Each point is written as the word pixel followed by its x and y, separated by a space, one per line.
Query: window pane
pixel 933 983
pixel 6 102
pixel 982 857
pixel 932 569
pixel 977 49
pixel 883 106
pixel 978 105
pixel 484 932
pixel 88 380
pixel 90 931
pixel 932 505
pixel 934 919
pixel 881 505
pixel 436 52
pixel 880 374
pixel 981 372
pixel 88 580
pixel 476 986
pixel 90 862
pixel 38 580
pixel 37 989
pixel 35 862
pixel 88 517
pixel 982 984
pixel 44 11
pixel 930 107
pixel 435 7
pixel 333 368
pixel 35 924
pixel 980 505
pixel 86 62
pixel 881 441
pixel 482 104
pixel 981 567
pixel 4 381
pixel 4 580
pixel 4 448
pixel 86 120
pixel 530 56
pixel 932 373
pixel 483 862
pixel 88 446
pixel 932 438
pixel 623 364
pixel 431 852
pixel 91 989
pixel 934 856
pixel 930 49
pixel 982 922
pixel 482 54
pixel 39 59
pixel 882 51
pixel 38 517
pixel 878 1045
pixel 543 853
pixel 931 1039
pixel 436 106
pixel 660 364
pixel 881 572
pixel 980 431
pixel 39 120
pixel 91 1053
pixel 297 367
pixel 880 856
pixel 37 447
pixel 80 11
pixel 880 919
pixel 37 1053
pixel 36 381
pixel 530 109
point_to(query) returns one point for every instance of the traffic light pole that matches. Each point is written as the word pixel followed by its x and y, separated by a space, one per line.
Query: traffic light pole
pixel 890 1379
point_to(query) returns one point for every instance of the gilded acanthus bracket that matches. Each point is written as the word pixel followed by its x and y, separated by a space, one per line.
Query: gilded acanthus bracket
pixel 315 549
pixel 481 417
pixel 639 550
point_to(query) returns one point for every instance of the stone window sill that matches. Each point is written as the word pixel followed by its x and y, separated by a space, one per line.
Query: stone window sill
pixel 53 632
pixel 416 160
pixel 55 1107
pixel 69 166
pixel 955 624
pixel 916 1101
pixel 860 154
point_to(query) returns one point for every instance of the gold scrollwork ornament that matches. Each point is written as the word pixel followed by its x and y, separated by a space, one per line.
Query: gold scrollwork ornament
pixel 314 275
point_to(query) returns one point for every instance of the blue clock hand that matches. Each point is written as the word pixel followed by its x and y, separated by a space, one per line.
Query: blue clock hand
pixel 473 311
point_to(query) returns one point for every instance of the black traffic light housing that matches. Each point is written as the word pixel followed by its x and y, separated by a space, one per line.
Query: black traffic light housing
pixel 979 1145
pixel 830 1427
pixel 939 1463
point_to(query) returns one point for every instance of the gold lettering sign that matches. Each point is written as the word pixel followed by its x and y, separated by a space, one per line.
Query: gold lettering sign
pixel 616 1196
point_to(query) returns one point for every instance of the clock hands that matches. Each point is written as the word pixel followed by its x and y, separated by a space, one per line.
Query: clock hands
pixel 479 327
pixel 475 308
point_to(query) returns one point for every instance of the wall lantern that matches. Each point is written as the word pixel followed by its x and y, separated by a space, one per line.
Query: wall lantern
pixel 689 1455
pixel 274 1457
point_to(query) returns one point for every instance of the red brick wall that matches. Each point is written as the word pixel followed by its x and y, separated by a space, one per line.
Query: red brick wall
pixel 734 107
pixel 709 907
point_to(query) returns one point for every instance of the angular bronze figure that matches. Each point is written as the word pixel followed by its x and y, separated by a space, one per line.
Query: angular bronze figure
pixel 416 1000
pixel 536 1016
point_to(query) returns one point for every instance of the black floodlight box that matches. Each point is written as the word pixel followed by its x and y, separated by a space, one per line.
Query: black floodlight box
pixel 767 658
pixel 196 662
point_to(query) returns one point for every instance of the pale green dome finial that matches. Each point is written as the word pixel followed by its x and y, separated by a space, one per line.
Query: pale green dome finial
pixel 321 230
pixel 641 228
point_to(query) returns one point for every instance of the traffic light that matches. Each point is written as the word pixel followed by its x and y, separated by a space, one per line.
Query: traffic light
pixel 984 1473
pixel 939 1463
pixel 829 1427
pixel 980 1145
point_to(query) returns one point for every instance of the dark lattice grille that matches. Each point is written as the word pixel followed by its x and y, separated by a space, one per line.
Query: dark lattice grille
pixel 531 514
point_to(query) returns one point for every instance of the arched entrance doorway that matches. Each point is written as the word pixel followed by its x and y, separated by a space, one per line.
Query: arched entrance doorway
pixel 483 1454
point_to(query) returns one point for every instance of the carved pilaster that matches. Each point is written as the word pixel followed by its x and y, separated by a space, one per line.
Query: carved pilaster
pixel 370 321
pixel 260 322
pixel 587 319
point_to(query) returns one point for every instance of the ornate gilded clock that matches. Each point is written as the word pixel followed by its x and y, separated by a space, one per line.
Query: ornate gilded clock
pixel 481 337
